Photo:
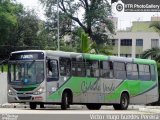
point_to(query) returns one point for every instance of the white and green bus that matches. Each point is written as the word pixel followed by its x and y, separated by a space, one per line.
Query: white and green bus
pixel 42 77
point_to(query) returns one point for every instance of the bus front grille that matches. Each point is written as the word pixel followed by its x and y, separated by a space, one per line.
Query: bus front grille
pixel 25 98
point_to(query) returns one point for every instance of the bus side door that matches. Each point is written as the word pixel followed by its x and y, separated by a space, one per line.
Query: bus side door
pixel 52 80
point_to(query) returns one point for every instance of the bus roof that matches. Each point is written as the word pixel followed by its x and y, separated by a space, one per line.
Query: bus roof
pixel 27 51
pixel 144 61
pixel 91 56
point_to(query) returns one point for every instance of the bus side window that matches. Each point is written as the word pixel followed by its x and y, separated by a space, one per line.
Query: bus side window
pixel 65 66
pixel 106 69
pixel 144 72
pixel 78 68
pixel 153 75
pixel 132 71
pixel 52 70
pixel 119 70
pixel 92 68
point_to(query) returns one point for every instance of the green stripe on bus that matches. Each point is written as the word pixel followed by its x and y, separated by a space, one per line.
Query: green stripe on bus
pixel 75 84
pixel 134 87
pixel 95 57
pixel 144 61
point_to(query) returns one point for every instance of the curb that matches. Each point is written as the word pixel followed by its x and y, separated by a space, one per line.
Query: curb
pixel 150 110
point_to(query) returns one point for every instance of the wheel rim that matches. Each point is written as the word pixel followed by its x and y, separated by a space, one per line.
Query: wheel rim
pixel 66 100
pixel 124 102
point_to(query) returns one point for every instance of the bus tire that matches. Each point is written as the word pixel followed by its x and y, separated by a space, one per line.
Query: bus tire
pixel 65 101
pixel 42 105
pixel 93 106
pixel 124 102
pixel 33 105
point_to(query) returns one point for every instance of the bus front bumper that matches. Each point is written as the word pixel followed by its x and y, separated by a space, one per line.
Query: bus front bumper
pixel 22 98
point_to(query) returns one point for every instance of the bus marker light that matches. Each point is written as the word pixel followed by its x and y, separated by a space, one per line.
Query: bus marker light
pixel 38 98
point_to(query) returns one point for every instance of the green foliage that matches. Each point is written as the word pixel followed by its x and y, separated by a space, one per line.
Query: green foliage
pixel 89 46
pixel 21 29
pixel 85 43
pixel 8 18
pixel 153 52
pixel 156 26
pixel 94 20
pixel 4 68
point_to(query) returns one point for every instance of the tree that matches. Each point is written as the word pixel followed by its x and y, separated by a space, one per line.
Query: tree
pixel 8 18
pixel 94 20
pixel 9 11
pixel 20 29
pixel 156 26
pixel 153 52
pixel 89 46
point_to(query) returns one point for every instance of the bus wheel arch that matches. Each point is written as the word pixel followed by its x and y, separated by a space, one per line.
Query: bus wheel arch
pixel 127 93
pixel 67 99
pixel 124 101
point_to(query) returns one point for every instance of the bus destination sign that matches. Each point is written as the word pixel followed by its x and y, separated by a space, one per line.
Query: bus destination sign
pixel 27 56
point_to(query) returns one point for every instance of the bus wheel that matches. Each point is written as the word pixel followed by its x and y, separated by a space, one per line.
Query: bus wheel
pixel 32 105
pixel 41 105
pixel 93 106
pixel 124 102
pixel 65 101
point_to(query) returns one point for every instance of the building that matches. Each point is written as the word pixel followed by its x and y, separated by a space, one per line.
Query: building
pixel 139 38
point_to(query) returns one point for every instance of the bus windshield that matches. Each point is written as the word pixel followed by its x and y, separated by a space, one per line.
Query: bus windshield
pixel 26 72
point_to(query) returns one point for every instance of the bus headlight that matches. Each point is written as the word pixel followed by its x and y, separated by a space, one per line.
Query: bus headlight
pixel 39 91
pixel 11 92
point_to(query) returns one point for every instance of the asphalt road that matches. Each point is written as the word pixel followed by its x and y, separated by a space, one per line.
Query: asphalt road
pixel 69 111
pixel 76 113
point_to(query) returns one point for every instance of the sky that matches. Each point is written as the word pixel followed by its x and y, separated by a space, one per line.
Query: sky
pixel 34 4
pixel 124 18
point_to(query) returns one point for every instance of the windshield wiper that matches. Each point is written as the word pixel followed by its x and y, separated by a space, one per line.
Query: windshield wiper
pixel 31 63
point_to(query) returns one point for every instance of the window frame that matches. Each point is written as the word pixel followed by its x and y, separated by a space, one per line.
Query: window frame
pixel 126 42
pixel 65 66
pixel 114 76
pixel 154 42
pixel 154 72
pixel 51 79
pixel 132 71
pixel 139 42
pixel 145 72
pixel 91 69
pixel 76 69
pixel 109 69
